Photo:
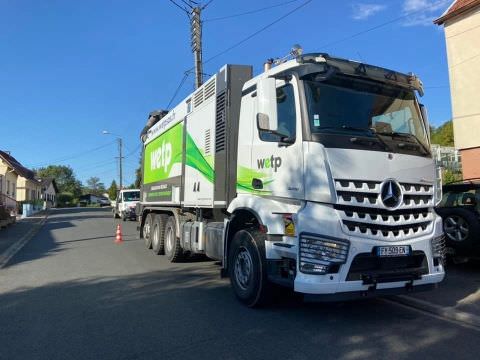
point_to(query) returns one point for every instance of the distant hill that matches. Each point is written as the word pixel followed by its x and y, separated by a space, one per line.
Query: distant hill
pixel 443 135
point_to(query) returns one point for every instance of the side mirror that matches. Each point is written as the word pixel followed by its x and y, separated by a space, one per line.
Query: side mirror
pixel 263 122
pixel 424 112
pixel 267 100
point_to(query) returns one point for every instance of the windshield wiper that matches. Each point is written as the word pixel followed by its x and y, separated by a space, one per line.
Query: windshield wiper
pixel 406 136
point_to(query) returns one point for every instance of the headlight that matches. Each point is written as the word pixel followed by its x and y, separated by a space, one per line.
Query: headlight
pixel 318 254
pixel 437 187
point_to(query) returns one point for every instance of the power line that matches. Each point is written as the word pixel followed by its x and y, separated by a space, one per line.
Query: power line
pixel 185 76
pixel 258 31
pixel 70 157
pixel 187 72
pixel 376 27
pixel 250 12
pixel 180 7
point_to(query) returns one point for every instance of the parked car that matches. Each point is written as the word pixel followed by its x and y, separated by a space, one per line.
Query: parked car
pixel 125 205
pixel 460 210
pixel 103 201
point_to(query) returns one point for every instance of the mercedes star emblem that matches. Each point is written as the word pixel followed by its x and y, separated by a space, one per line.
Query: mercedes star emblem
pixel 391 194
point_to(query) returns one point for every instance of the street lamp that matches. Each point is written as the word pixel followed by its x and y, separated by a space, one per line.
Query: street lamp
pixel 120 157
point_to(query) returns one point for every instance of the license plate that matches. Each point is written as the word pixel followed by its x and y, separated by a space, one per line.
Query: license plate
pixel 396 250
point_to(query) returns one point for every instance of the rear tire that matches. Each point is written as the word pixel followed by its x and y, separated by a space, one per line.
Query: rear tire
pixel 147 231
pixel 173 250
pixel 247 268
pixel 158 233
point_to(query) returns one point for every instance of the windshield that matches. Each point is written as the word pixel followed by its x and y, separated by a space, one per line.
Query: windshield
pixel 350 106
pixel 131 196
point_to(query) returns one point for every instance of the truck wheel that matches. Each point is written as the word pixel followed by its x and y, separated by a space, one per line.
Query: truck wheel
pixel 158 233
pixel 247 268
pixel 147 231
pixel 115 216
pixel 173 250
pixel 124 217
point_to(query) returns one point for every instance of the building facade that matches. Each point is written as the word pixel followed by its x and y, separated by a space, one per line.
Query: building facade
pixel 461 22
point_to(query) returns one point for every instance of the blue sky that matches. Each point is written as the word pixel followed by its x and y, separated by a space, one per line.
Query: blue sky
pixel 70 69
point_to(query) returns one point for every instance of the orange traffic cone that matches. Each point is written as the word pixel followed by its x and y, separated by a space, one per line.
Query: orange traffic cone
pixel 119 239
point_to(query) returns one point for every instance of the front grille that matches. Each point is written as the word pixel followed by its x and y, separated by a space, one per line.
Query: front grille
pixel 368 266
pixel 363 213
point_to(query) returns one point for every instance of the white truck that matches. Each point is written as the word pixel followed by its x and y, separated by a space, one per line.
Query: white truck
pixel 315 175
pixel 125 204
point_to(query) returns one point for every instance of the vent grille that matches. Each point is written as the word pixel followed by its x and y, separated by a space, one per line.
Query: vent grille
pixel 209 89
pixel 198 98
pixel 363 214
pixel 220 122
pixel 208 147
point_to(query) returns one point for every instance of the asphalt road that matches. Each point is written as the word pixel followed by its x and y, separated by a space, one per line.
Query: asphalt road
pixel 72 293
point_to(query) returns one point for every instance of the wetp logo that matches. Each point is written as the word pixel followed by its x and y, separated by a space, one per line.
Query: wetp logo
pixel 161 157
pixel 271 162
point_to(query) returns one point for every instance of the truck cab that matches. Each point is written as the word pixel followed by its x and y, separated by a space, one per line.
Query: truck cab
pixel 126 203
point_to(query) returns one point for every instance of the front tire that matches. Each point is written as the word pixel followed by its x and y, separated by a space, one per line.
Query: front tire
pixel 173 250
pixel 247 268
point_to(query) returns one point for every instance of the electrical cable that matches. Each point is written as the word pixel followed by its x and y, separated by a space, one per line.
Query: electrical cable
pixel 250 12
pixel 70 157
pixel 180 7
pixel 375 27
pixel 257 32
pixel 185 76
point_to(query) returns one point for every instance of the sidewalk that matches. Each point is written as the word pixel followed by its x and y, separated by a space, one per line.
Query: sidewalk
pixel 15 236
pixel 457 297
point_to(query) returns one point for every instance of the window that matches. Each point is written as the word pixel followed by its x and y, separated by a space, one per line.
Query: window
pixel 189 106
pixel 8 187
pixel 131 196
pixel 1 184
pixel 286 114
pixel 461 198
pixel 13 189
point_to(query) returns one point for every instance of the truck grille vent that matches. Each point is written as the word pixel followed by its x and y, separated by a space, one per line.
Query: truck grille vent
pixel 198 98
pixel 210 88
pixel 363 214
pixel 207 142
pixel 220 122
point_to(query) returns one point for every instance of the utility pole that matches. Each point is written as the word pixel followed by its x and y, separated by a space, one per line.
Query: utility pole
pixel 196 33
pixel 120 157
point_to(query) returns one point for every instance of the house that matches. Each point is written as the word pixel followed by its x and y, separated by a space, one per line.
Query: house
pixel 461 22
pixel 8 181
pixel 49 192
pixel 20 183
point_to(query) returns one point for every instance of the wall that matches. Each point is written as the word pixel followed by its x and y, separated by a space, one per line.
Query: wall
pixel 8 177
pixel 25 187
pixel 462 36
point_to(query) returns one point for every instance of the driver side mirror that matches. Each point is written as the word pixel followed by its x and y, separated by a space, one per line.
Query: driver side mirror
pixel 424 112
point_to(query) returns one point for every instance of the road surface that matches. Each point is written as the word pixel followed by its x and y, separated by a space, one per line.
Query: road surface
pixel 71 293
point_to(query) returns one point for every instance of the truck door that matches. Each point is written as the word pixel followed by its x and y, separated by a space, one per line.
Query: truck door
pixel 276 159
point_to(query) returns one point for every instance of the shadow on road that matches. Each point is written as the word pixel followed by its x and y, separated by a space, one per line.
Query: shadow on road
pixel 188 313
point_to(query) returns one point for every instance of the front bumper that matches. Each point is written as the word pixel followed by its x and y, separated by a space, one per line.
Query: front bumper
pixel 307 221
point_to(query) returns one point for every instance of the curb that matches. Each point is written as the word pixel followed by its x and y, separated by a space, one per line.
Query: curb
pixel 16 247
pixel 449 313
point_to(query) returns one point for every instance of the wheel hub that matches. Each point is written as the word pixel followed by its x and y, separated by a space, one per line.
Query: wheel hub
pixel 456 228
pixel 243 268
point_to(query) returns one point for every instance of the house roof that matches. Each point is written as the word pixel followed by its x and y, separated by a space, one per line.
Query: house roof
pixel 15 165
pixel 456 8
pixel 47 181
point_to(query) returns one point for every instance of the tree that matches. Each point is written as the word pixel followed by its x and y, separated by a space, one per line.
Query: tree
pixel 443 135
pixel 64 177
pixel 138 175
pixel 112 190
pixel 95 186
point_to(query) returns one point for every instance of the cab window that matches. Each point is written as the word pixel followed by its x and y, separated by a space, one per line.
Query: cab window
pixel 286 113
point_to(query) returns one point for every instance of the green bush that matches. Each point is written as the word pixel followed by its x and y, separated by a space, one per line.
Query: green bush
pixel 66 200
